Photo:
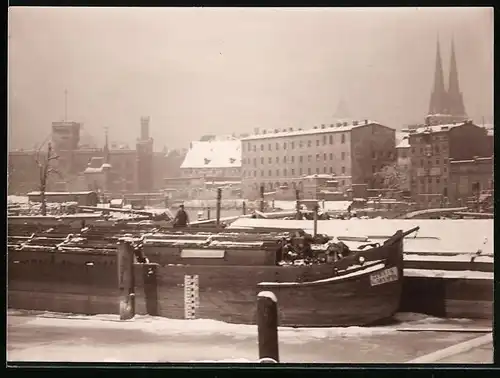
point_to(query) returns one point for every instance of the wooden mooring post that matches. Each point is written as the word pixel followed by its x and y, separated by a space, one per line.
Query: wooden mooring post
pixel 297 204
pixel 262 198
pixel 315 210
pixel 126 284
pixel 267 326
pixel 208 212
pixel 244 208
pixel 219 199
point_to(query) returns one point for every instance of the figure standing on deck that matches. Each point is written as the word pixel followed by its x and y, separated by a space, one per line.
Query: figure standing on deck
pixel 181 218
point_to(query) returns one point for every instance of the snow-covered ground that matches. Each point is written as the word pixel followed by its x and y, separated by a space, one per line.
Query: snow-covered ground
pixel 39 336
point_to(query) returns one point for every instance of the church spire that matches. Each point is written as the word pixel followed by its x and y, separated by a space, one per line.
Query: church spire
pixel 342 111
pixel 438 96
pixel 456 102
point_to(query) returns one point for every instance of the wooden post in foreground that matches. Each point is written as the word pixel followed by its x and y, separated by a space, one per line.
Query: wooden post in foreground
pixel 315 213
pixel 262 198
pixel 208 212
pixel 219 198
pixel 126 283
pixel 244 208
pixel 267 326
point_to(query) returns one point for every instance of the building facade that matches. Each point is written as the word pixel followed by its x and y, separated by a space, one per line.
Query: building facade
pixel 351 153
pixel 468 178
pixel 433 147
pixel 403 162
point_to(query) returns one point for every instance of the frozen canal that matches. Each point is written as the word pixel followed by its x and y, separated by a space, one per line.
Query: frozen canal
pixel 40 336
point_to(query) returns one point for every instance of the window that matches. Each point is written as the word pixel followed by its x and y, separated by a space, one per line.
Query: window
pixel 413 150
pixel 330 138
pixel 293 159
pixel 343 155
pixel 421 162
pixel 324 156
pixel 438 180
pixel 437 149
pixel 309 143
pixel 429 180
pixel 284 146
pixel 331 169
pixel 438 161
pixel 254 161
pixel 343 170
pixel 270 160
pixel 284 172
pixel 309 158
pixel 324 139
pixel 293 173
pixel 301 158
pixel 262 147
pixel 317 157
pixel 277 159
pixel 324 169
pixel 342 182
pixel 342 139
pixel 270 173
pixel 317 170
pixel 374 168
pixel 293 145
pixel 301 144
pixel 331 156
pixel 317 142
pixel 300 171
pixel 277 172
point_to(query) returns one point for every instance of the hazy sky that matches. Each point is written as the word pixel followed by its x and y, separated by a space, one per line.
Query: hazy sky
pixel 197 71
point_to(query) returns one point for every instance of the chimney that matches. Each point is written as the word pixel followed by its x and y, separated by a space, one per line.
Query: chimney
pixel 264 131
pixel 315 127
pixel 291 128
pixel 144 128
pixel 355 123
pixel 345 123
pixel 256 131
pixel 332 125
pixel 323 126
pixel 339 124
pixel 366 122
pixel 276 131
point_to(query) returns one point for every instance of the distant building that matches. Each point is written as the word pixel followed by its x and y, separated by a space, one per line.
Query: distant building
pixel 214 158
pixel 349 152
pixel 468 178
pixel 403 161
pixel 432 149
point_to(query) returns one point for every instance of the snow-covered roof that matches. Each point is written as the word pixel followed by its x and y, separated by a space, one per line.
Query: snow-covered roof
pixel 213 154
pixel 334 127
pixel 405 143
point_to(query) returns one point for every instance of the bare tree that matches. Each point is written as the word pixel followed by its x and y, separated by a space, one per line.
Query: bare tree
pixel 392 177
pixel 46 169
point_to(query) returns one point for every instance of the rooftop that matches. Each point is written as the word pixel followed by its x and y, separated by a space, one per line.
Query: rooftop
pixel 213 154
pixel 324 128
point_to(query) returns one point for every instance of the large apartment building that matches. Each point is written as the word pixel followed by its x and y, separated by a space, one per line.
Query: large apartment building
pixel 351 152
pixel 433 148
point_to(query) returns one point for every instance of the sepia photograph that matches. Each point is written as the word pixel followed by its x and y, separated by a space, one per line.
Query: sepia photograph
pixel 250 185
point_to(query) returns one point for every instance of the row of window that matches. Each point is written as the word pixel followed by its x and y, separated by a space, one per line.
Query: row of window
pixel 292 172
pixel 326 139
pixel 428 149
pixel 291 159
pixel 438 162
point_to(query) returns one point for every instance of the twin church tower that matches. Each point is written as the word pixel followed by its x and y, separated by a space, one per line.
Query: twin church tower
pixel 447 102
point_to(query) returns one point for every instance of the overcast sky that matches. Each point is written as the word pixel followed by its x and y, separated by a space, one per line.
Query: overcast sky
pixel 198 71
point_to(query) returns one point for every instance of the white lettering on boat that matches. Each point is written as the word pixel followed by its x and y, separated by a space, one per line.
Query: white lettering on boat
pixel 384 276
pixel 203 253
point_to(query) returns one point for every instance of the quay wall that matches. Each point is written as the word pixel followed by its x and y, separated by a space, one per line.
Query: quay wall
pixel 88 284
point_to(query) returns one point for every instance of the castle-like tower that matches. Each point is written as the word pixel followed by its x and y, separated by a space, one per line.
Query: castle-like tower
pixel 446 105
